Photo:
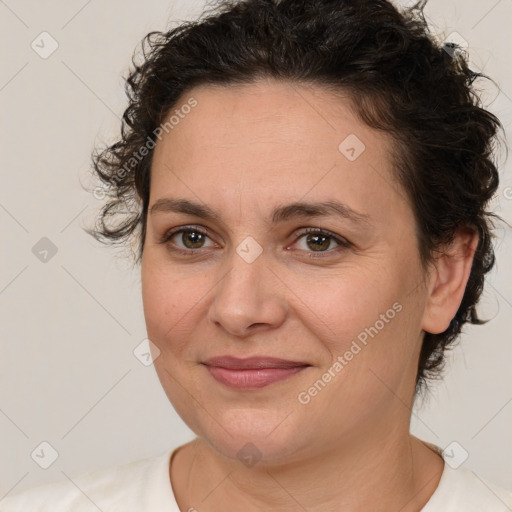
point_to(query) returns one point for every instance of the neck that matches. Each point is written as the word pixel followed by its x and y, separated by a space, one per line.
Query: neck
pixel 394 472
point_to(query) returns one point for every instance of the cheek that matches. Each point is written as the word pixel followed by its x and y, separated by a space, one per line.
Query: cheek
pixel 369 318
pixel 172 303
pixel 348 302
pixel 162 309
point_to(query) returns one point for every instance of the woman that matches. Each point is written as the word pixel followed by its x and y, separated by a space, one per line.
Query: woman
pixel 309 182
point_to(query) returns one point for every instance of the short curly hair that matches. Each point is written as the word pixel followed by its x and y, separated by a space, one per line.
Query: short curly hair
pixel 401 79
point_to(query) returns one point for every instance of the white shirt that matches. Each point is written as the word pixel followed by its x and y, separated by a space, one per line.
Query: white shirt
pixel 145 485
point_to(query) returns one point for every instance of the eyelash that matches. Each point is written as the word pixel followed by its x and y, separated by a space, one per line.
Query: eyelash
pixel 342 243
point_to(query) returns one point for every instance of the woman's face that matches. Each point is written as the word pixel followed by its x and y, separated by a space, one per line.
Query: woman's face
pixel 246 173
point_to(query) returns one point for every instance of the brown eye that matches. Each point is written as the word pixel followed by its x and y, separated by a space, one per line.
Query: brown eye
pixel 187 240
pixel 318 242
pixel 315 241
pixel 192 239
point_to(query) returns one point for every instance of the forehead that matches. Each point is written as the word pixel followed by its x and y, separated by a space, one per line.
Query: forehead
pixel 272 140
pixel 269 109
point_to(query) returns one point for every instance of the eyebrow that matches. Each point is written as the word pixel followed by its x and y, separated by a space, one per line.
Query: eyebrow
pixel 279 214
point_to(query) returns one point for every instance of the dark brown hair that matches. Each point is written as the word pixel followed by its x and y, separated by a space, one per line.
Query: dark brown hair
pixel 401 80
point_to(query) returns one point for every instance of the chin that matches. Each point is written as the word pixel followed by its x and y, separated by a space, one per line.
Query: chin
pixel 251 436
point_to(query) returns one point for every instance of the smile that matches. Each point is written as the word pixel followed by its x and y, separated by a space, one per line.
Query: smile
pixel 252 373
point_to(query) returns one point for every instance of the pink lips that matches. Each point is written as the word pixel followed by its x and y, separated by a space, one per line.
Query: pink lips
pixel 252 372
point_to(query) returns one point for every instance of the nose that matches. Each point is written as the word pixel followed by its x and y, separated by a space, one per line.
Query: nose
pixel 248 298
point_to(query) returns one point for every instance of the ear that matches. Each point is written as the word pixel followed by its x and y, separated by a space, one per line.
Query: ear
pixel 447 281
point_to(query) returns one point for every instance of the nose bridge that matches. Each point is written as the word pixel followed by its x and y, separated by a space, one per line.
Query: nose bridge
pixel 247 279
pixel 246 295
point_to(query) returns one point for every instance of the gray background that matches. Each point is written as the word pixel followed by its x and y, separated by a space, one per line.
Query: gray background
pixel 69 324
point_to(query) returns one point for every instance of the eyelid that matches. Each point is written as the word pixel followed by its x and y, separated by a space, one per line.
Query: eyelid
pixel 179 229
pixel 342 242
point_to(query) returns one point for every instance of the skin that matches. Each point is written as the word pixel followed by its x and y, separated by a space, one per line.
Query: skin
pixel 243 151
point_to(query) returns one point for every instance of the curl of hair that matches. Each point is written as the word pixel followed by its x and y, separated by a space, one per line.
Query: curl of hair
pixel 400 79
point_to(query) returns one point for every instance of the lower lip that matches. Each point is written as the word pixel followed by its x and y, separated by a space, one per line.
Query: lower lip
pixel 252 379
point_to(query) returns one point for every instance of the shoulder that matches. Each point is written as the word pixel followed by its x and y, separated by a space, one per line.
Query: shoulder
pixel 462 489
pixel 137 486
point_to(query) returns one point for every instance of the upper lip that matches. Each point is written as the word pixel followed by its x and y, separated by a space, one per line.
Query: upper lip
pixel 235 363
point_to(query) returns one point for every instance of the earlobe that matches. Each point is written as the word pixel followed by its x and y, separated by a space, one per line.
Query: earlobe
pixel 448 280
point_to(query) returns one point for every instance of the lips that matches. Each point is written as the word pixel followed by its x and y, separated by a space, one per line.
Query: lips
pixel 251 363
pixel 252 372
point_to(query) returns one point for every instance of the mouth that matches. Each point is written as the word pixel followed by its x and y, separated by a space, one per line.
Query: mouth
pixel 253 372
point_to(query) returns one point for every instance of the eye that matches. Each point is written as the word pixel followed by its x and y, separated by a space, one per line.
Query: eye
pixel 313 241
pixel 316 240
pixel 186 239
